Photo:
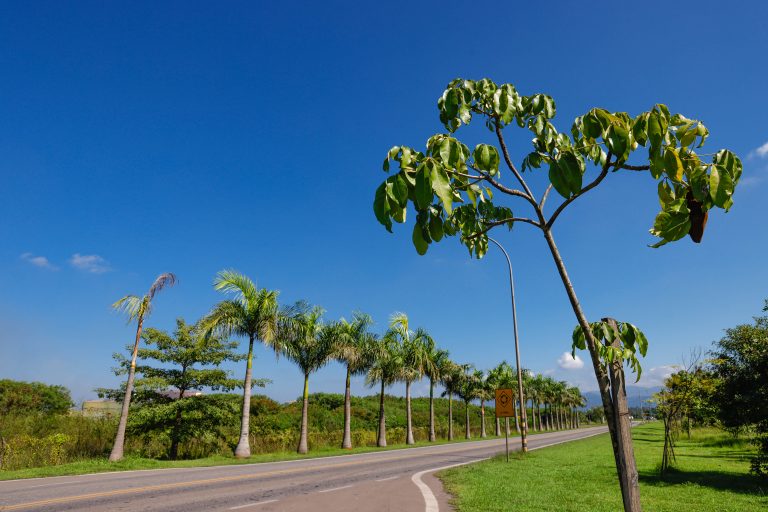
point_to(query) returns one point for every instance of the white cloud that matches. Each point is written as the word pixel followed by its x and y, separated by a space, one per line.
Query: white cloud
pixel 38 261
pixel 762 151
pixel 568 362
pixel 92 263
pixel 656 376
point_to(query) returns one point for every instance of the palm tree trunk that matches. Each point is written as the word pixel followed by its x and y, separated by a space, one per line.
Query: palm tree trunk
pixel 506 424
pixel 482 418
pixel 533 417
pixel 450 417
pixel 432 437
pixel 243 448
pixel 382 438
pixel 467 433
pixel 498 427
pixel 303 448
pixel 347 441
pixel 118 445
pixel 618 426
pixel 538 413
pixel 408 419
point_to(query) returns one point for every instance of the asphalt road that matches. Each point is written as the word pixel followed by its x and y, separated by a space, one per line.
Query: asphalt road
pixel 396 480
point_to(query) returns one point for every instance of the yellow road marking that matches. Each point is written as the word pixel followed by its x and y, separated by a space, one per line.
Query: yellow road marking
pixel 135 490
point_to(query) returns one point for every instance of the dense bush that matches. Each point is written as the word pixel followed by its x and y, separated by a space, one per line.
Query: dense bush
pixel 18 397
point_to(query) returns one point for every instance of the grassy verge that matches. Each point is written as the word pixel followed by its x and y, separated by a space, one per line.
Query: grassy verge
pixel 711 473
pixel 134 463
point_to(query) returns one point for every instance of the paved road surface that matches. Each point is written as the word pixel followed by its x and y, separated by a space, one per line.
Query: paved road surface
pixel 396 480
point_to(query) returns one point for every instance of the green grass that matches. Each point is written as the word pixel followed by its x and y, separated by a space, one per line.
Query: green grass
pixel 711 473
pixel 133 463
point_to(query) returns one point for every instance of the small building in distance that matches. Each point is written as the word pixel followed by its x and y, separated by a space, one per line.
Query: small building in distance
pixel 100 408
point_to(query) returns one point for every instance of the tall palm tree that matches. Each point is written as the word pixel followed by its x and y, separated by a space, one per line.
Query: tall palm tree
pixel 502 376
pixel 484 392
pixel 306 342
pixel 137 308
pixel 385 363
pixel 468 390
pixel 451 376
pixel 352 347
pixel 254 314
pixel 413 364
pixel 437 359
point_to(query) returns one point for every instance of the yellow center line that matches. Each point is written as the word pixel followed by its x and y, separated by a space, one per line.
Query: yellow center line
pixel 149 488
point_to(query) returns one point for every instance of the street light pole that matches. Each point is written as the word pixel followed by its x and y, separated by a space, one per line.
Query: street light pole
pixel 524 415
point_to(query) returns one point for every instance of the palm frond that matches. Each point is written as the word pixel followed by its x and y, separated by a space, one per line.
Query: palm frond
pixel 163 280
pixel 232 281
pixel 132 306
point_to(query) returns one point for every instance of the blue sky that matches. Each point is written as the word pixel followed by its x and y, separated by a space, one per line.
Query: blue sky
pixel 191 137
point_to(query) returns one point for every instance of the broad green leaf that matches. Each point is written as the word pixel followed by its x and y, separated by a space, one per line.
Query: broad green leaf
pixel 423 187
pixel 486 158
pixel 666 194
pixel 655 130
pixel 436 228
pixel 381 207
pixel 572 169
pixel 557 178
pixel 617 139
pixel 673 166
pixel 442 187
pixel 449 151
pixel 720 185
pixel 417 237
pixel 672 223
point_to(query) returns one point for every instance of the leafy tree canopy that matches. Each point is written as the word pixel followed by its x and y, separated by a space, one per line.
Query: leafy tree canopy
pixel 17 397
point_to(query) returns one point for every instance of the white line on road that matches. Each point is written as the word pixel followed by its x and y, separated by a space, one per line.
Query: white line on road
pixel 252 504
pixel 336 488
pixel 386 479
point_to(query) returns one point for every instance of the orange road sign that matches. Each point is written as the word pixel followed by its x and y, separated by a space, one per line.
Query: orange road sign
pixel 505 400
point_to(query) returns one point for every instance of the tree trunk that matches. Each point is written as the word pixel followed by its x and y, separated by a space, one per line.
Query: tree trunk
pixel 623 466
pixel 533 417
pixel 118 445
pixel 432 437
pixel 303 448
pixel 467 432
pixel 243 448
pixel 173 453
pixel 630 489
pixel 450 417
pixel 498 427
pixel 514 412
pixel 538 413
pixel 506 424
pixel 408 418
pixel 347 441
pixel 482 419
pixel 382 438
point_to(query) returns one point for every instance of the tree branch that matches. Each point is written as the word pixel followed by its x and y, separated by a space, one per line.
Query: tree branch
pixel 596 182
pixel 635 167
pixel 495 223
pixel 544 197
pixel 512 167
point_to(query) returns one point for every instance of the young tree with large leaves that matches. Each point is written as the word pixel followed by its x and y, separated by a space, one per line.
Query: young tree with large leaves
pixel 458 191
pixel 306 342
pixel 352 347
pixel 137 308
pixel 253 313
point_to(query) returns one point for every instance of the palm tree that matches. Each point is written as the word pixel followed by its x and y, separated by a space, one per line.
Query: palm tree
pixel 306 342
pixel 451 376
pixel 253 313
pixel 502 376
pixel 352 347
pixel 484 392
pixel 386 360
pixel 137 308
pixel 414 361
pixel 468 391
pixel 437 360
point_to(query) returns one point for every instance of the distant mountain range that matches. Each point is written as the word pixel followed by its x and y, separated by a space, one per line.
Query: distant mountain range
pixel 636 396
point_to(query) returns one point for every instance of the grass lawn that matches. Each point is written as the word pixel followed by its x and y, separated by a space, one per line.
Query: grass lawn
pixel 134 463
pixel 711 474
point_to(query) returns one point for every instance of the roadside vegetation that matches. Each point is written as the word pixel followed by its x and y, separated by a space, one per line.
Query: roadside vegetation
pixel 711 473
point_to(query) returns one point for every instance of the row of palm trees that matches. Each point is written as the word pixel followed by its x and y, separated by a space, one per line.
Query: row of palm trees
pixel 401 354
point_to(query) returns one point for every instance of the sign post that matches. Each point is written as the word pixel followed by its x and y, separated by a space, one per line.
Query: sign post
pixel 505 407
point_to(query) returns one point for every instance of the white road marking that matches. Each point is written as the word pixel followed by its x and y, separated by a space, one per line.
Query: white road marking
pixel 430 501
pixel 336 488
pixel 386 479
pixel 252 504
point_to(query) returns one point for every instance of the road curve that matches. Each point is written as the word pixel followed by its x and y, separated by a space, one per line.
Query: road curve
pixel 376 481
